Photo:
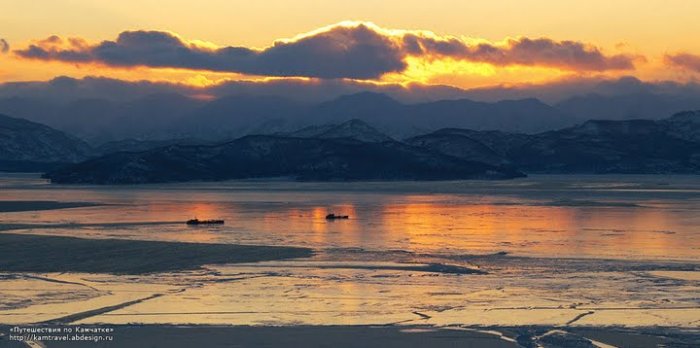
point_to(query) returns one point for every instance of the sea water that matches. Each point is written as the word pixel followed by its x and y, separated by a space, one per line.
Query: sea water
pixel 555 250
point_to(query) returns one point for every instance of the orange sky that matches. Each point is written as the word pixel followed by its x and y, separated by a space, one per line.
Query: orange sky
pixel 648 30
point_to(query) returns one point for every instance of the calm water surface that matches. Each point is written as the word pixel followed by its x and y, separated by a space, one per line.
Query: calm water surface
pixel 619 217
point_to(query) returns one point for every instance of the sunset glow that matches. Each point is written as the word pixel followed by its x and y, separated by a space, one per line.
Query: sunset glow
pixel 406 42
pixel 366 173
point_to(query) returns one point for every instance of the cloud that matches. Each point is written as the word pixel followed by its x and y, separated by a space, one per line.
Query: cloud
pixel 564 54
pixel 347 50
pixel 684 60
pixel 4 46
pixel 343 52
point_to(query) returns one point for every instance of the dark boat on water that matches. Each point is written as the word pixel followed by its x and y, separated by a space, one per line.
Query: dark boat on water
pixel 336 217
pixel 204 222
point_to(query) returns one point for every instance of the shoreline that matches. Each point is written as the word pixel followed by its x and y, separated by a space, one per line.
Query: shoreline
pixel 24 206
pixel 40 253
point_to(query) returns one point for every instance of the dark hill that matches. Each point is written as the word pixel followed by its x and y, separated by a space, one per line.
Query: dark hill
pixel 29 146
pixel 262 156
pixel 601 146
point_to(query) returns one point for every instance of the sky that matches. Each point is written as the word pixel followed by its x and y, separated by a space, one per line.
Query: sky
pixel 465 44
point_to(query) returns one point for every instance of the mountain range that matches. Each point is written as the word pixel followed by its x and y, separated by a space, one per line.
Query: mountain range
pixel 168 116
pixel 101 110
pixel 30 146
pixel 665 146
pixel 355 151
pixel 344 139
pixel 255 156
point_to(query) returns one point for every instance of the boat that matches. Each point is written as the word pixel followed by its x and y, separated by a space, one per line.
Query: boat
pixel 204 222
pixel 336 217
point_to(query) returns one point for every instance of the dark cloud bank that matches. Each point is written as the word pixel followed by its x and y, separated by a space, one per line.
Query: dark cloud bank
pixel 358 51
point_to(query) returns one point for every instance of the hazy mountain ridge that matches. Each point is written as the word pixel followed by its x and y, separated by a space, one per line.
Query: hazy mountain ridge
pixel 352 129
pixel 598 146
pixel 167 116
pixel 641 105
pixel 26 145
pixel 683 125
pixel 101 109
pixel 670 145
pixel 401 120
